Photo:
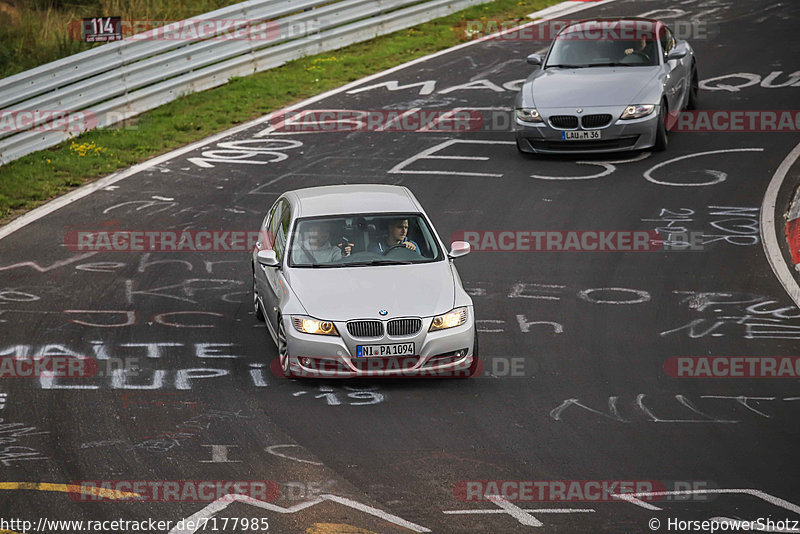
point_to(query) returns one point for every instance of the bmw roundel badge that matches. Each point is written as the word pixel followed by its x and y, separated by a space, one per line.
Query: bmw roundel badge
pixel 383 312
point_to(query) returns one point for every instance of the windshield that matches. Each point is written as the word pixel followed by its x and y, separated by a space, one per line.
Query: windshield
pixel 597 46
pixel 362 240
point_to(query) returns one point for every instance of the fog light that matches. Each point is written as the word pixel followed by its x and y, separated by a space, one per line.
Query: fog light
pixel 306 362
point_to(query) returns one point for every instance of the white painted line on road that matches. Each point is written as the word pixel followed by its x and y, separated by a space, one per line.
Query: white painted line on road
pixel 515 511
pixel 771 499
pixel 106 181
pixel 565 8
pixel 272 449
pixel 200 518
pixel 529 510
pixel 769 238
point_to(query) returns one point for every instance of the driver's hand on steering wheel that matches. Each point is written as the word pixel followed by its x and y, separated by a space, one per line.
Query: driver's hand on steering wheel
pixel 628 51
pixel 347 248
pixel 409 245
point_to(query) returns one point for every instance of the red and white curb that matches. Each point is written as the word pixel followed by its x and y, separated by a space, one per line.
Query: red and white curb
pixel 792 231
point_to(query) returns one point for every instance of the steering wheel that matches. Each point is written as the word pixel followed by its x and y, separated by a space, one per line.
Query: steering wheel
pixel 642 55
pixel 401 245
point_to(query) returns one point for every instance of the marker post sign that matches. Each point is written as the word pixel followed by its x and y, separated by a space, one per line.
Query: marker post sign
pixel 102 29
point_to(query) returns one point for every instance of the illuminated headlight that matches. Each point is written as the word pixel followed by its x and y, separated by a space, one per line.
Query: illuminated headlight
pixel 307 325
pixel 528 115
pixel 451 319
pixel 637 111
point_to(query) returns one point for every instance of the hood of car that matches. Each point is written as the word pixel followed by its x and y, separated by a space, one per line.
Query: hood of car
pixel 587 87
pixel 344 293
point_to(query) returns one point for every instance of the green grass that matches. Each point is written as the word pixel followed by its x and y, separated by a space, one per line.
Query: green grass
pixel 38 177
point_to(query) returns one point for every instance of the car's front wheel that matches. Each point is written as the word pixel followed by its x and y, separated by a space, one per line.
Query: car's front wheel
pixel 283 350
pixel 256 305
pixel 661 130
pixel 694 89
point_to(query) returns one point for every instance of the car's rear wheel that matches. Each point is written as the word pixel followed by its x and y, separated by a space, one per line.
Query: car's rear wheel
pixel 256 305
pixel 694 89
pixel 283 350
pixel 661 130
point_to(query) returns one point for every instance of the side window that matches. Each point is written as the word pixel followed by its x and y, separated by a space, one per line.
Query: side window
pixel 280 229
pixel 267 229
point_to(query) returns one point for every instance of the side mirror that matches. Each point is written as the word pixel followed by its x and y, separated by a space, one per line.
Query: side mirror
pixel 678 51
pixel 534 59
pixel 267 258
pixel 458 249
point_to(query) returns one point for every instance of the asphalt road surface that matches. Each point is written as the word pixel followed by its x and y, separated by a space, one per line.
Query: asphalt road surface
pixel 575 344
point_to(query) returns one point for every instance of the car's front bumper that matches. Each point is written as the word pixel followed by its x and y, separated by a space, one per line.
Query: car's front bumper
pixel 444 353
pixel 618 136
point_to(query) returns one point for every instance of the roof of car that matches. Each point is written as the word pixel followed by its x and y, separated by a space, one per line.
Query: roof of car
pixel 355 198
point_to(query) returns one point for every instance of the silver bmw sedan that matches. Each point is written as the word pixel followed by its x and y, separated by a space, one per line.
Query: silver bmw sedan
pixel 353 280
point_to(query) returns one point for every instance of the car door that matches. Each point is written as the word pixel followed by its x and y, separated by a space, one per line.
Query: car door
pixel 275 286
pixel 675 80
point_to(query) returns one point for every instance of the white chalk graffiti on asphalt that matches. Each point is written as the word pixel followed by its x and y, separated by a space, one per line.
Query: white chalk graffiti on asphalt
pixel 608 168
pixel 740 226
pixel 749 315
pixel 430 154
pixel 717 176
pixel 12 433
pixel 249 151
pixel 750 79
pixel 641 408
pixel 428 86
pixel 366 395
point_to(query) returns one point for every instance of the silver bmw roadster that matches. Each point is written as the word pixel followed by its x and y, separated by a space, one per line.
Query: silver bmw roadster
pixel 606 85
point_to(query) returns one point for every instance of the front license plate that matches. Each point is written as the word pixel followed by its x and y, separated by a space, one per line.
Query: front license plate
pixel 580 135
pixel 398 349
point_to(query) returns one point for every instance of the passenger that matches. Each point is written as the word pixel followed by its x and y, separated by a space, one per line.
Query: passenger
pixel 316 247
pixel 397 234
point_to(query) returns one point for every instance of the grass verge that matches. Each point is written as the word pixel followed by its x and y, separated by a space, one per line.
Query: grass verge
pixel 36 178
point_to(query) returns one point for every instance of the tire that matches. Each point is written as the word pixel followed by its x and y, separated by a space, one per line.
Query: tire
pixel 257 311
pixel 283 350
pixel 694 89
pixel 661 130
pixel 476 365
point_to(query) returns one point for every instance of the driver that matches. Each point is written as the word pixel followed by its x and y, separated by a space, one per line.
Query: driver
pixel 396 236
pixel 316 247
pixel 642 46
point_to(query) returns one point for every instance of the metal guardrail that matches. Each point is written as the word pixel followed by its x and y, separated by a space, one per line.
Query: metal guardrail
pixel 115 81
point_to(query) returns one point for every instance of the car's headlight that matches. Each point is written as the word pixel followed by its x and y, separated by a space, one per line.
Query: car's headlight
pixel 528 115
pixel 307 325
pixel 451 319
pixel 637 111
